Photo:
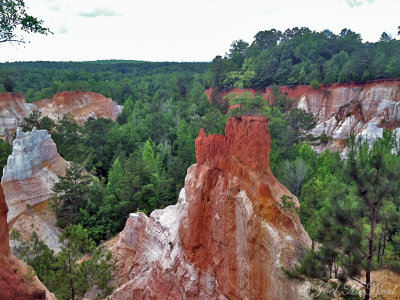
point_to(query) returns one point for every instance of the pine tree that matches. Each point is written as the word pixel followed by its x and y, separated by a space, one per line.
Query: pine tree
pixel 78 268
pixel 71 194
pixel 354 213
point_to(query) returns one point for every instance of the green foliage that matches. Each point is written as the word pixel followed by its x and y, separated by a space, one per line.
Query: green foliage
pixel 69 139
pixel 315 84
pixel 282 102
pixel 301 56
pixel 35 119
pixel 8 85
pixel 69 274
pixel 293 174
pixel 5 151
pixel 248 104
pixel 352 215
pixel 14 19
pixel 71 194
pixel 288 205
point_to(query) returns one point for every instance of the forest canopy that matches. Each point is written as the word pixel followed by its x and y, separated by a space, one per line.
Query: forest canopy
pixel 300 56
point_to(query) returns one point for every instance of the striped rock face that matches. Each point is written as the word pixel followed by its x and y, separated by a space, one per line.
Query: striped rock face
pixel 80 105
pixel 31 171
pixel 77 104
pixel 342 108
pixel 226 238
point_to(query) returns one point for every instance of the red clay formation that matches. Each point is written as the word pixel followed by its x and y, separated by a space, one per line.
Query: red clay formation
pixel 15 282
pixel 80 105
pixel 340 109
pixel 226 238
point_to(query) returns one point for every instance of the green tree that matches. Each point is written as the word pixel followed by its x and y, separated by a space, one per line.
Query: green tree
pixel 8 85
pixel 69 139
pixel 5 151
pixel 69 275
pixel 71 195
pixel 356 214
pixel 98 153
pixel 35 119
pixel 14 18
pixel 376 175
pixel 247 103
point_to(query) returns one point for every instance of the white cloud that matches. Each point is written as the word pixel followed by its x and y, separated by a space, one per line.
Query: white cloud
pixel 353 3
pixel 99 12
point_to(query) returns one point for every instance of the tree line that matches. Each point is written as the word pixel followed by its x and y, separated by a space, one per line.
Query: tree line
pixel 301 56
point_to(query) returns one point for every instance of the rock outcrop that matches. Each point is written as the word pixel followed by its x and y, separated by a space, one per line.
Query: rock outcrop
pixel 226 238
pixel 16 283
pixel 79 105
pixel 341 109
pixel 31 171
pixel 13 110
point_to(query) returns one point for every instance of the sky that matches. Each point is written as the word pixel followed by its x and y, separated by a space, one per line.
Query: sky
pixel 184 30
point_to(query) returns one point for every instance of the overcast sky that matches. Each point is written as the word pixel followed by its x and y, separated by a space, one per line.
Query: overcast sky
pixel 185 30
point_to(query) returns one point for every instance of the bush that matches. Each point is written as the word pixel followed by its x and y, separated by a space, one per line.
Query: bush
pixel 324 138
pixel 315 84
pixel 8 85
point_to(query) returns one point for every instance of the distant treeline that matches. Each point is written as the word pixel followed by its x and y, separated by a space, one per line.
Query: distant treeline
pixel 300 56
pixel 113 78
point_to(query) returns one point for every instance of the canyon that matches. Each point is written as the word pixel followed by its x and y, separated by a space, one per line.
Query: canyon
pixel 34 165
pixel 78 104
pixel 341 108
pixel 228 236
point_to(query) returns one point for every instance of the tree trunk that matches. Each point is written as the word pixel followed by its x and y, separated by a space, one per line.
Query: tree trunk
pixel 370 254
pixel 71 283
pixel 379 248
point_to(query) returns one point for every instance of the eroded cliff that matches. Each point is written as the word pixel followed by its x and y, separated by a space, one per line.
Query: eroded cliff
pixel 13 110
pixel 80 105
pixel 31 171
pixel 16 283
pixel 226 238
pixel 341 109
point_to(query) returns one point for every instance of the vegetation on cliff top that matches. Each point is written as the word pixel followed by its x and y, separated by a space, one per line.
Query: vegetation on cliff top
pixel 301 56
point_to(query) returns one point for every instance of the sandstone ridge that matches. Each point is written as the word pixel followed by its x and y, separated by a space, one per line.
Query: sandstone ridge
pixel 226 238
pixel 32 169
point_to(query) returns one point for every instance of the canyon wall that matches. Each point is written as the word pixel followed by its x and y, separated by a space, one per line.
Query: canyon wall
pixel 30 173
pixel 226 238
pixel 340 109
pixel 16 283
pixel 79 105
pixel 13 110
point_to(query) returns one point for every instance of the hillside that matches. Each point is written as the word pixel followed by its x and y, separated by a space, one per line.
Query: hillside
pixel 340 109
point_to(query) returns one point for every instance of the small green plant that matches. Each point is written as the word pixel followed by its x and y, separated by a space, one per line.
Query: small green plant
pixel 30 276
pixel 315 84
pixel 324 138
pixel 288 205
